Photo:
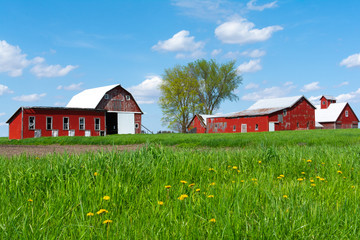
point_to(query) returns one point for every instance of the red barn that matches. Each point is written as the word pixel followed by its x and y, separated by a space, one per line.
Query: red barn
pixel 290 113
pixel 198 123
pixel 92 112
pixel 332 115
pixel 29 122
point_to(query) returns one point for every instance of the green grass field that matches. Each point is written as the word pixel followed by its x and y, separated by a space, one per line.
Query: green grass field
pixel 281 185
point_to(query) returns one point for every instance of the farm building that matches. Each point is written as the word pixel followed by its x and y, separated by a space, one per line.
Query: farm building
pixel 198 123
pixel 92 112
pixel 332 115
pixel 290 113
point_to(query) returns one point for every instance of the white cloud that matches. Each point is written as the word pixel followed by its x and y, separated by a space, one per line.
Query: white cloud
pixel 342 84
pixel 71 87
pixel 43 70
pixel 315 99
pixel 252 86
pixel 251 5
pixel 241 31
pixel 148 91
pixel 351 61
pixel 311 87
pixel 251 66
pixel 2 114
pixel 4 89
pixel 29 98
pixel 349 97
pixel 181 41
pixel 272 92
pixel 12 61
pixel 216 52
pixel 2 124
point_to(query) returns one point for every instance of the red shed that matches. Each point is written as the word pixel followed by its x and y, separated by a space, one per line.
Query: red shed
pixel 198 123
pixel 29 122
pixel 290 113
pixel 332 115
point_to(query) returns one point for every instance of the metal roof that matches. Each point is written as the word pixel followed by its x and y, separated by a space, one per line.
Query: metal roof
pixel 280 103
pixel 89 98
pixel 329 114
pixel 255 112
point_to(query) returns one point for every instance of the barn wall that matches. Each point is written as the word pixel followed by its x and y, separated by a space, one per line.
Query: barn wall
pixel 117 101
pixel 138 123
pixel 15 127
pixel 347 122
pixel 233 125
pixel 195 126
pixel 299 117
pixel 57 115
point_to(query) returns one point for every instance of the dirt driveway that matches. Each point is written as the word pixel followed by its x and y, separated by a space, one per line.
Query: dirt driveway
pixel 40 150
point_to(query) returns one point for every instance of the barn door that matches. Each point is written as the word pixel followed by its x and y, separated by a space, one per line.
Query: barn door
pixel 55 133
pixel 271 126
pixel 71 133
pixel 126 123
pixel 243 128
pixel 37 133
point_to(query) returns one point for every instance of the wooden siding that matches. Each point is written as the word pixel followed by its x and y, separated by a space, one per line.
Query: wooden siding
pixel 196 126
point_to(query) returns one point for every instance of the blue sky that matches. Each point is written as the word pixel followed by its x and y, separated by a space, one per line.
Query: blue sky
pixel 52 50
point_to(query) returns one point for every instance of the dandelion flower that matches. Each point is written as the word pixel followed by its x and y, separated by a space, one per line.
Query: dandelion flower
pixel 312 180
pixel 300 179
pixel 212 184
pixel 211 169
pixel 210 196
pixel 183 182
pixel 313 184
pixel 259 162
pixel 107 221
pixel 183 196
pixel 95 174
pixel 318 177
pixel 340 172
pixel 233 181
pixel 101 211
pixel 339 164
pixel 322 179
pixel 192 184
pixel 285 196
pixel 90 214
pixel 309 161
pixel 235 167
pixel 282 175
pixel 212 220
pixel 197 190
pixel 279 177
pixel 106 198
pixel 167 186
pixel 303 173
pixel 323 163
pixel 160 203
pixel 30 200
pixel 242 181
pixel 352 186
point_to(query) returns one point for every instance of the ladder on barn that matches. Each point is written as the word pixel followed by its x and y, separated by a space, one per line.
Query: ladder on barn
pixel 148 130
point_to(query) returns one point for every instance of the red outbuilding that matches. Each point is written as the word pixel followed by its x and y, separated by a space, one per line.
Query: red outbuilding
pixel 92 112
pixel 332 115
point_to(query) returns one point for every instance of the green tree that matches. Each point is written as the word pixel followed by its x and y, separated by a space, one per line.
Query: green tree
pixel 179 100
pixel 216 83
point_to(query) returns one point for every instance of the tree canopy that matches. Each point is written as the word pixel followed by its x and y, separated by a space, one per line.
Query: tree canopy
pixel 198 87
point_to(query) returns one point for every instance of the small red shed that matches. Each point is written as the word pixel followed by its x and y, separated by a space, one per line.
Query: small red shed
pixel 198 123
pixel 332 115
pixel 29 122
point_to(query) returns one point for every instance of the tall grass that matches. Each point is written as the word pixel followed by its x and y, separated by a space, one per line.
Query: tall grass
pixel 254 193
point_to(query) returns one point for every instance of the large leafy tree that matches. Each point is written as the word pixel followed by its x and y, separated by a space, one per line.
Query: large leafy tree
pixel 216 83
pixel 198 87
pixel 178 100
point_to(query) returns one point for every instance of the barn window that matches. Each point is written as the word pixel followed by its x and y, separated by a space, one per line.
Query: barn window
pixel 97 124
pixel 323 102
pixel 297 124
pixel 127 97
pixel 66 123
pixel 48 123
pixel 234 128
pixel 346 113
pixel 31 123
pixel 106 96
pixel 256 127
pixel 81 123
pixel 136 125
pixel 284 112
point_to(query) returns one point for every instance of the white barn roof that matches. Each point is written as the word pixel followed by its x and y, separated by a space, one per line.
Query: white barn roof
pixel 279 103
pixel 329 114
pixel 89 98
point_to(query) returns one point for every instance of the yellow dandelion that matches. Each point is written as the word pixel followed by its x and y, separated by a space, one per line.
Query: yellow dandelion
pixel 183 196
pixel 259 162
pixel 192 184
pixel 340 172
pixel 106 198
pixel 102 211
pixel 212 184
pixel 300 179
pixel 212 220
pixel 210 196
pixel 309 161
pixel 322 179
pixel 242 181
pixel 285 196
pixel 279 177
pixel 303 173
pixel 282 175
pixel 160 203
pixel 211 169
pixel 318 177
pixel 95 174
pixel 233 181
pixel 167 186
pixel 89 214
pixel 197 190
pixel 313 184
pixel 339 164
pixel 238 171
pixel 107 221
pixel 344 177
pixel 253 179
pixel 30 200
pixel 183 182
pixel 235 167
pixel 311 180
pixel 352 186
pixel 323 163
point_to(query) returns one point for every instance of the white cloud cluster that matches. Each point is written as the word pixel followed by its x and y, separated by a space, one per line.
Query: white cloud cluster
pixel 71 87
pixel 216 52
pixel 351 61
pixel 4 89
pixel 2 114
pixel 148 91
pixel 311 87
pixel 251 86
pixel 251 66
pixel 251 5
pixel 13 62
pixel 241 31
pixel 349 97
pixel 271 92
pixel 29 98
